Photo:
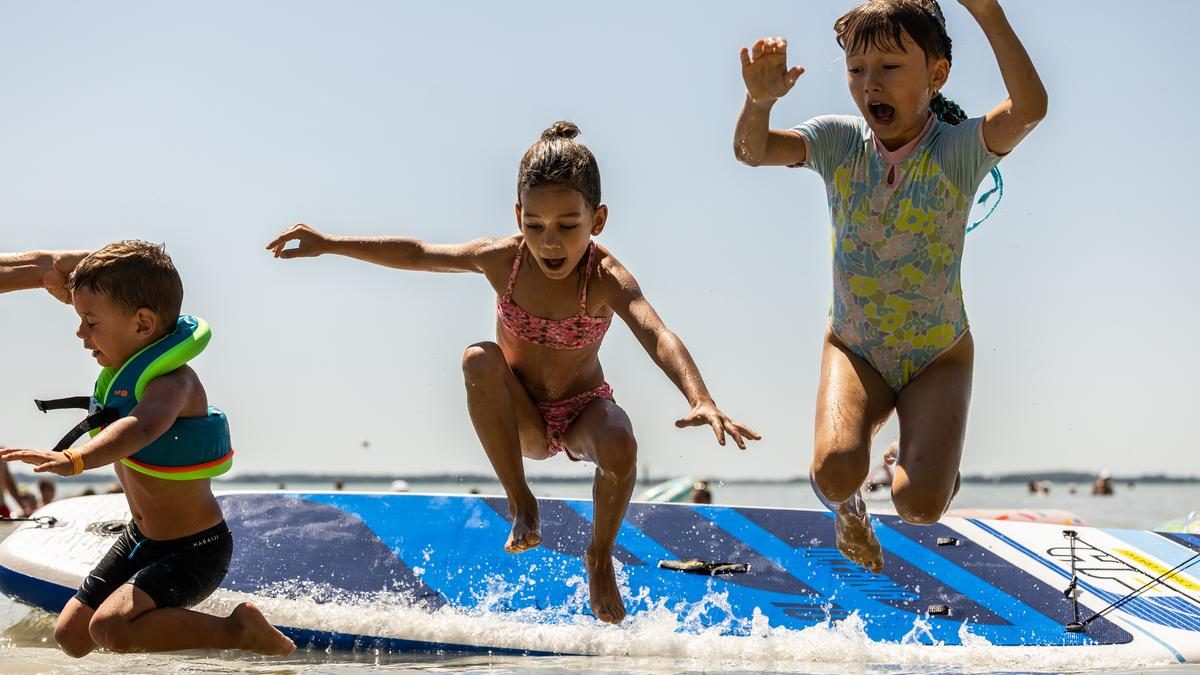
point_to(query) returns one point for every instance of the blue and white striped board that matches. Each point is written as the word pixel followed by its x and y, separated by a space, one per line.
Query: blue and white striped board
pixel 427 572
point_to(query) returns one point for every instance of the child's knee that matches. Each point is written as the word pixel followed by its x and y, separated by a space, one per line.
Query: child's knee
pixel 618 455
pixel 112 632
pixel 922 503
pixel 839 472
pixel 481 360
pixel 74 638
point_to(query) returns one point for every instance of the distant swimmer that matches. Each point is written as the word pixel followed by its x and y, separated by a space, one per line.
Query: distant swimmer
pixel 900 179
pixel 1103 486
pixel 46 490
pixel 538 390
pixel 48 270
pixel 8 487
pixel 149 419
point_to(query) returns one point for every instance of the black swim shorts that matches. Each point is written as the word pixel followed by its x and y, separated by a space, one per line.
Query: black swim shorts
pixel 174 573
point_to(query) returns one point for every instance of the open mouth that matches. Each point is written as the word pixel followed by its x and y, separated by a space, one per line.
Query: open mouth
pixel 554 264
pixel 882 112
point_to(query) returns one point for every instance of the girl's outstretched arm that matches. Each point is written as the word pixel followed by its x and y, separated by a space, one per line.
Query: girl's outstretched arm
pixel 400 252
pixel 668 351
pixel 1012 120
pixel 765 71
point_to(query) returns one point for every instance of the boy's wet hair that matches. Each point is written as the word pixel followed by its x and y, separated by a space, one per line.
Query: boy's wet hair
pixel 556 159
pixel 134 274
pixel 881 23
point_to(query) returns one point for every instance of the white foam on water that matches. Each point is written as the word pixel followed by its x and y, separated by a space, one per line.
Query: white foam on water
pixel 678 635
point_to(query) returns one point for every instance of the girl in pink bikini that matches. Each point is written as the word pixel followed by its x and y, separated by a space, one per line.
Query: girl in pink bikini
pixel 539 389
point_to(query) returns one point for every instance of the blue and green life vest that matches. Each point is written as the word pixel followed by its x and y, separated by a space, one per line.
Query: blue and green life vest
pixel 194 447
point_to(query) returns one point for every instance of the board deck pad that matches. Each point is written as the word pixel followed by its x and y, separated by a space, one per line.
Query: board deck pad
pixel 1003 580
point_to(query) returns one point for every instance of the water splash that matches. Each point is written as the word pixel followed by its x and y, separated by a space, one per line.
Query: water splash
pixel 704 634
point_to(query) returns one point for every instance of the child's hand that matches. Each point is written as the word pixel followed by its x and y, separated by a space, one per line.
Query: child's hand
pixel 765 70
pixel 311 243
pixel 708 413
pixel 43 461
pixel 58 272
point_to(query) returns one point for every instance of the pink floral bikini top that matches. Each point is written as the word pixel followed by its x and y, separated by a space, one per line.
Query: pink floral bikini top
pixel 575 332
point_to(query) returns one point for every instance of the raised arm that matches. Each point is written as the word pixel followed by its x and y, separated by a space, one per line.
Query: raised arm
pixel 670 354
pixel 764 69
pixel 39 269
pixel 399 252
pixel 161 404
pixel 1013 119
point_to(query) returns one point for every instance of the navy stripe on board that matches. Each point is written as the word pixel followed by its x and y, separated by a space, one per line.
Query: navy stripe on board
pixel 1005 576
pixel 563 529
pixel 279 542
pixel 1084 610
pixel 687 534
pixel 1185 539
pixel 912 587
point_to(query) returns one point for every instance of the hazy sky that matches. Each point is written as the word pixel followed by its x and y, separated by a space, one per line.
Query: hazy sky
pixel 212 126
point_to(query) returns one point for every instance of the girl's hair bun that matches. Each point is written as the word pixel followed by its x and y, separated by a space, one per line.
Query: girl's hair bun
pixel 561 129
pixel 558 159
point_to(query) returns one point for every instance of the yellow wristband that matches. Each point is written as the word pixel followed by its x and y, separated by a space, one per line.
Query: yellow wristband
pixel 76 462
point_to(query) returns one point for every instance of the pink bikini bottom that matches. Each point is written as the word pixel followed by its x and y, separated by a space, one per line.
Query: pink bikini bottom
pixel 559 415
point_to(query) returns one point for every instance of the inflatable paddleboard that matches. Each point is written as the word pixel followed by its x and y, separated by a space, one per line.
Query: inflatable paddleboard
pixel 674 490
pixel 427 572
pixel 1190 524
pixel 1053 516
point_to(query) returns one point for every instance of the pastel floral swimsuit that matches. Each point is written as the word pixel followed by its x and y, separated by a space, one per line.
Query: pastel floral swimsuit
pixel 898 226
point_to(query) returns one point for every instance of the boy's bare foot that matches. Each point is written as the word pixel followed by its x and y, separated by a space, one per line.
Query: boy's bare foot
pixel 526 529
pixel 602 586
pixel 855 537
pixel 256 634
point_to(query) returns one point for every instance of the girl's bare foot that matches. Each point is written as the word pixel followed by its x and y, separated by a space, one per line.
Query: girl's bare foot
pixel 855 537
pixel 602 586
pixel 256 634
pixel 526 529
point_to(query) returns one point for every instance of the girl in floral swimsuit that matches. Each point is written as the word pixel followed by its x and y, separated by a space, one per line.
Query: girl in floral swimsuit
pixel 539 390
pixel 900 181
